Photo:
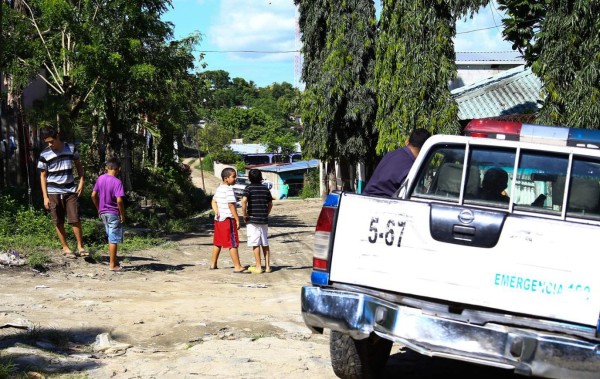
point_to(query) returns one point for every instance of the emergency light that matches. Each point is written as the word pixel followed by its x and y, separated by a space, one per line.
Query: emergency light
pixel 549 135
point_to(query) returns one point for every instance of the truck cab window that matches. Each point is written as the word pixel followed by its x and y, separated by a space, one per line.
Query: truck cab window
pixel 440 177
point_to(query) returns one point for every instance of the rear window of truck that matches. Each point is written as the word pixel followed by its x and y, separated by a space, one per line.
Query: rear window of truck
pixel 506 178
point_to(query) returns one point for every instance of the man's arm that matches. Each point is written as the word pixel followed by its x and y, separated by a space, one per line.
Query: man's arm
pixel 269 207
pixel 121 205
pixel 81 175
pixel 44 184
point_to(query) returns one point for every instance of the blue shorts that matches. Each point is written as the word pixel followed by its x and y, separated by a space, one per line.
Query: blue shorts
pixel 113 227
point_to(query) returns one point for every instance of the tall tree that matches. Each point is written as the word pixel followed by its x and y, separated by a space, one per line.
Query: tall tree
pixel 415 63
pixel 338 105
pixel 560 40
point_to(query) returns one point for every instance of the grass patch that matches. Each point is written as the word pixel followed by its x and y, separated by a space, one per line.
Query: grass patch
pixel 7 368
pixel 38 260
pixel 57 337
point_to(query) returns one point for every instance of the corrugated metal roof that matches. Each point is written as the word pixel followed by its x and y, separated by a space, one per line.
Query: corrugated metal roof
pixel 514 91
pixel 300 165
pixel 488 57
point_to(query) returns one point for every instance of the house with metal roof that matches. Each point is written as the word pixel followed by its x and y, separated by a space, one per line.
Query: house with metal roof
pixel 474 66
pixel 517 91
pixel 291 173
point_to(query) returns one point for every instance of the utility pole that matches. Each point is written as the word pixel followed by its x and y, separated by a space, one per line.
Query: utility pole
pixel 1 74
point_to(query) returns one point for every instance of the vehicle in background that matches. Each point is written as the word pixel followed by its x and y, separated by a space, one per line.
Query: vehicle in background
pixel 269 158
pixel 238 189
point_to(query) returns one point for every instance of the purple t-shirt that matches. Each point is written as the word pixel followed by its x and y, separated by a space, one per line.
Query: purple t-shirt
pixel 108 188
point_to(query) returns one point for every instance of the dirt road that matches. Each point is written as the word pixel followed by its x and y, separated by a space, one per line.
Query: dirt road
pixel 169 316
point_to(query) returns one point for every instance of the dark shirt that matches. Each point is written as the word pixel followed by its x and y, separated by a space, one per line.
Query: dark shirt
pixel 259 198
pixel 390 172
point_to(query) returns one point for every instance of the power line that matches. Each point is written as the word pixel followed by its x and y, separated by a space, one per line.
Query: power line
pixel 250 51
pixel 478 30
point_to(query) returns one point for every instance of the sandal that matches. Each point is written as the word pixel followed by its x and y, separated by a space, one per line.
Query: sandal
pixel 83 253
pixel 255 270
pixel 69 254
pixel 118 268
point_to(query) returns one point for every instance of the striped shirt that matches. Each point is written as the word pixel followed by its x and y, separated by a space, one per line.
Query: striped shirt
pixel 224 196
pixel 59 165
pixel 259 198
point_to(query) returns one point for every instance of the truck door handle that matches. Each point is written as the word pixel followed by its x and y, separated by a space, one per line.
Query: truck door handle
pixel 466 231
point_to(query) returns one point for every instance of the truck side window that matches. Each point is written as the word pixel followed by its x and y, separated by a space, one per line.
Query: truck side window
pixel 440 177
pixel 540 182
pixel 490 176
pixel 584 189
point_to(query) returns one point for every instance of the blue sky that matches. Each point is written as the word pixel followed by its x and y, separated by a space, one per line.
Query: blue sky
pixel 267 28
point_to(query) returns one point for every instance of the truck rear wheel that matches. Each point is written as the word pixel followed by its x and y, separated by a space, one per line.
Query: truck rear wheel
pixel 358 359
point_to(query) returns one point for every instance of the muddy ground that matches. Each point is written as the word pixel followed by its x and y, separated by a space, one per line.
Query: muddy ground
pixel 169 316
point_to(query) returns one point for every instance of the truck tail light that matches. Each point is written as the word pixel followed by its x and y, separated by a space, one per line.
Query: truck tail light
pixel 322 236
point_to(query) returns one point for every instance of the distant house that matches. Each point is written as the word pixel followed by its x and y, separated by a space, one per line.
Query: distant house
pixel 473 67
pixel 291 173
pixel 517 91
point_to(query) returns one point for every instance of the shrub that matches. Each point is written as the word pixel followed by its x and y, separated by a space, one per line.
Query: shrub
pixel 38 260
pixel 311 185
pixel 7 368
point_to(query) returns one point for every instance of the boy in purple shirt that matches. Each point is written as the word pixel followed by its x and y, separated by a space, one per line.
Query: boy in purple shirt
pixel 108 196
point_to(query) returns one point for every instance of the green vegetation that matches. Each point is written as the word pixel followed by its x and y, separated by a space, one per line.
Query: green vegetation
pixel 338 105
pixel 30 232
pixel 311 185
pixel 7 368
pixel 560 41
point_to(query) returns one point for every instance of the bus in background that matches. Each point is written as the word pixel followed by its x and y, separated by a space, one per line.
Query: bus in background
pixel 270 158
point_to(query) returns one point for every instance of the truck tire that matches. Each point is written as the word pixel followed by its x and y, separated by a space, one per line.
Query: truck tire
pixel 358 359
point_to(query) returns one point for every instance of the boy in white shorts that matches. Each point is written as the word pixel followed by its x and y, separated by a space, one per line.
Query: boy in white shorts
pixel 257 203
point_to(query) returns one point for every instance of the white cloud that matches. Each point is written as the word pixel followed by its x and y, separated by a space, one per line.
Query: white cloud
pixel 257 25
pixel 489 38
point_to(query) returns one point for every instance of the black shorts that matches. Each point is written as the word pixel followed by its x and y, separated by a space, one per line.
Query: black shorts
pixel 62 204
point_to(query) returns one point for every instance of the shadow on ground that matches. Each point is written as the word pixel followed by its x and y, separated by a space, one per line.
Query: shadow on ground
pixel 406 363
pixel 50 350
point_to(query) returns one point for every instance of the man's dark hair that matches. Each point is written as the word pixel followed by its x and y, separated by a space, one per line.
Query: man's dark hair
pixel 113 163
pixel 48 133
pixel 255 176
pixel 227 172
pixel 418 137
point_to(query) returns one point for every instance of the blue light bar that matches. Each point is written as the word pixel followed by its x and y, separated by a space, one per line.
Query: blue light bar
pixel 584 138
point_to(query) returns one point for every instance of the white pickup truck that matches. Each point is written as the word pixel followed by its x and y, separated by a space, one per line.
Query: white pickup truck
pixel 510 280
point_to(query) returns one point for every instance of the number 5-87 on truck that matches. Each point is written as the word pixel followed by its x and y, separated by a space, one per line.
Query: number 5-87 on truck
pixel 488 253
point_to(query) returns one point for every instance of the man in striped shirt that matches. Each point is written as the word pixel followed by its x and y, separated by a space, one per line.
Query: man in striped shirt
pixel 61 194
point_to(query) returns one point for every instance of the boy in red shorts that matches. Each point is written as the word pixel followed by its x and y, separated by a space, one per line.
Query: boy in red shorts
pixel 227 221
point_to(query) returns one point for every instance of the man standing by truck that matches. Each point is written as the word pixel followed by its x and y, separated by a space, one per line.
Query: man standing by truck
pixel 394 166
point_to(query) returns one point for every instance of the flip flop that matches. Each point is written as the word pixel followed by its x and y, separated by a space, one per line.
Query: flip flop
pixel 244 271
pixel 118 268
pixel 69 254
pixel 255 270
pixel 84 253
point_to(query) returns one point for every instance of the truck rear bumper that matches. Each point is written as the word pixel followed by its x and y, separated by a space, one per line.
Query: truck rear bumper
pixel 528 352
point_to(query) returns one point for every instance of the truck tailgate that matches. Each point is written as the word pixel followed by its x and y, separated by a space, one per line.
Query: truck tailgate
pixel 387 244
